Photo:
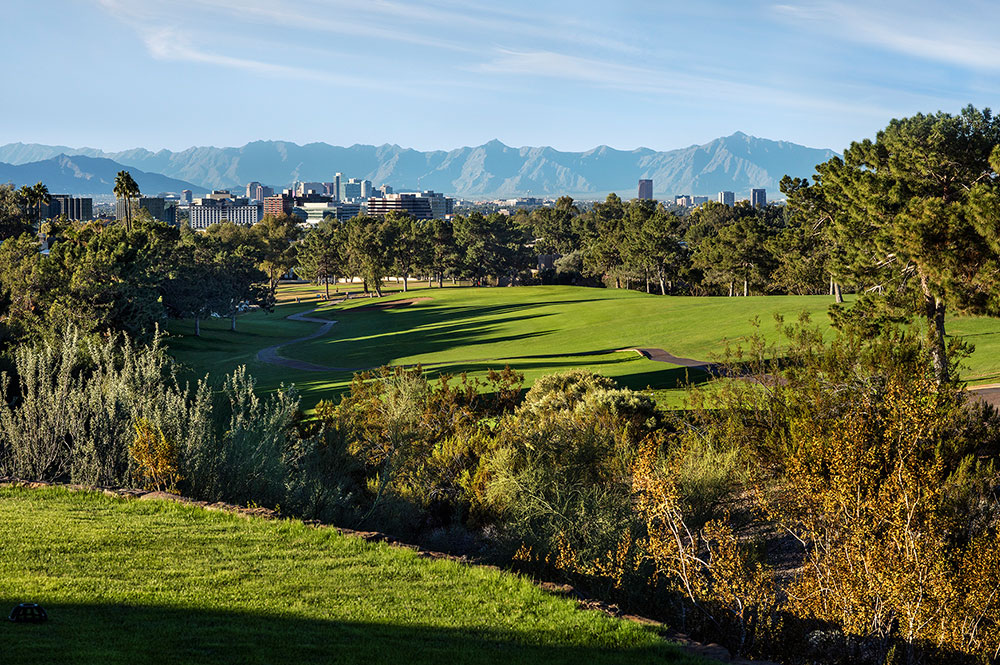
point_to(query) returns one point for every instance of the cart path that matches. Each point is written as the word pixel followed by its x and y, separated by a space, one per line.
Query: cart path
pixel 271 355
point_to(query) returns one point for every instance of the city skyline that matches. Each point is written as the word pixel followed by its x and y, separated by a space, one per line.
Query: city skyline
pixel 570 75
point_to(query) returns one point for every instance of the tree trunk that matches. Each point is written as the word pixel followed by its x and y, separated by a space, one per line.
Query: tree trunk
pixel 663 285
pixel 405 276
pixel 746 288
pixel 732 286
pixel 837 295
pixel 618 282
pixel 934 309
pixel 327 283
pixel 646 274
pixel 197 326
pixel 441 279
pixel 831 284
pixel 232 323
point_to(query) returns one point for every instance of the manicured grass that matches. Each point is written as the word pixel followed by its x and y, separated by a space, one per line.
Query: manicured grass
pixel 537 330
pixel 128 581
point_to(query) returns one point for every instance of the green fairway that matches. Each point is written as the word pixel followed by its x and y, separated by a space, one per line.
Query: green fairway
pixel 537 330
pixel 128 581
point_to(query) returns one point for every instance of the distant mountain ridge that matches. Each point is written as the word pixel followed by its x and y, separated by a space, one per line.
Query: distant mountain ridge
pixel 82 175
pixel 735 163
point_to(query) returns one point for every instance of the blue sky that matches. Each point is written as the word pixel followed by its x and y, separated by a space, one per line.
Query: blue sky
pixel 117 74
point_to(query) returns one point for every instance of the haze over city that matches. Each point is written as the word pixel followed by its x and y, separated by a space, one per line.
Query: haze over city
pixel 440 75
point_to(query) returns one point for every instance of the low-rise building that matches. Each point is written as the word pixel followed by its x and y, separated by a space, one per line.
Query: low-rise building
pixel 240 211
pixel 414 204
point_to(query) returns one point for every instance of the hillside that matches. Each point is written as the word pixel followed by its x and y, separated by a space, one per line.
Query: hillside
pixel 125 579
pixel 736 163
pixel 82 175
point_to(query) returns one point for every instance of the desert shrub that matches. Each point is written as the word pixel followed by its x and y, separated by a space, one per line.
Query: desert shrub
pixel 556 481
pixel 561 392
pixel 245 459
pixel 115 414
pixel 709 474
pixel 621 407
pixel 155 457
pixel 885 477
pixel 72 407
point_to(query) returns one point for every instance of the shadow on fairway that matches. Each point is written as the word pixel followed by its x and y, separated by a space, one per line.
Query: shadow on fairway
pixel 112 634
pixel 372 337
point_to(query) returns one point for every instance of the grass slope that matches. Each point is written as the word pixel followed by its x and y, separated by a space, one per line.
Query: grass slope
pixel 537 330
pixel 154 581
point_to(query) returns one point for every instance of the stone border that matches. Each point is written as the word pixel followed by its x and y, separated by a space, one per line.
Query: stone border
pixel 711 651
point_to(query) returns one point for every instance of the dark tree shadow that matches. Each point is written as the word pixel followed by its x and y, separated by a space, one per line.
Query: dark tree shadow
pixel 112 634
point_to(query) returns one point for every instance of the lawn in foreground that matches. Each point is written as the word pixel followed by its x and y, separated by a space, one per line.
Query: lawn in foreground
pixel 537 330
pixel 128 581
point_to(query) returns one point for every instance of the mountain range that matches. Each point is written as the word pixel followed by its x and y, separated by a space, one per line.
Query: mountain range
pixel 736 163
pixel 80 175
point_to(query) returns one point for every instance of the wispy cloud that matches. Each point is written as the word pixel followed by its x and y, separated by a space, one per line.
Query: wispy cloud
pixel 966 39
pixel 662 83
pixel 168 44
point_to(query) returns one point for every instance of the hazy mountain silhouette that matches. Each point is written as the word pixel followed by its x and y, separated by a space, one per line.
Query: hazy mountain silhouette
pixel 736 163
pixel 82 175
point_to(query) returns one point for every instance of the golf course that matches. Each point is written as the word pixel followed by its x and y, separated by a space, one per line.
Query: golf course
pixel 536 330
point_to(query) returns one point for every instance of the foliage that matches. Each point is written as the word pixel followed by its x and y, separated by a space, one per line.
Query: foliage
pixel 155 457
pixel 902 214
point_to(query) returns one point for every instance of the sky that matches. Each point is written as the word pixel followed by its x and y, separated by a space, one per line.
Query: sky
pixel 441 74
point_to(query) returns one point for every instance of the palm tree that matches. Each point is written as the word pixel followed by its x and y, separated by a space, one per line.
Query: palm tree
pixel 27 196
pixel 41 193
pixel 126 188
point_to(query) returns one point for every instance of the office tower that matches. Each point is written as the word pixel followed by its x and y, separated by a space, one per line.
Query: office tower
pixel 186 197
pixel 155 205
pixel 727 198
pixel 72 207
pixel 336 187
pixel 646 190
pixel 758 198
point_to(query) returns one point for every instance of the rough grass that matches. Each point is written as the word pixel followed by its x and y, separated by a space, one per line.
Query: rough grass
pixel 129 582
pixel 537 330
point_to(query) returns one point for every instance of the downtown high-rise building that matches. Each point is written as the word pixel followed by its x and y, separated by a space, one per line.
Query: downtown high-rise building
pixel 758 198
pixel 727 198
pixel 73 207
pixel 645 190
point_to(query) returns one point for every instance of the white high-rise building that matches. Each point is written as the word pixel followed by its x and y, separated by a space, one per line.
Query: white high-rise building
pixel 727 198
